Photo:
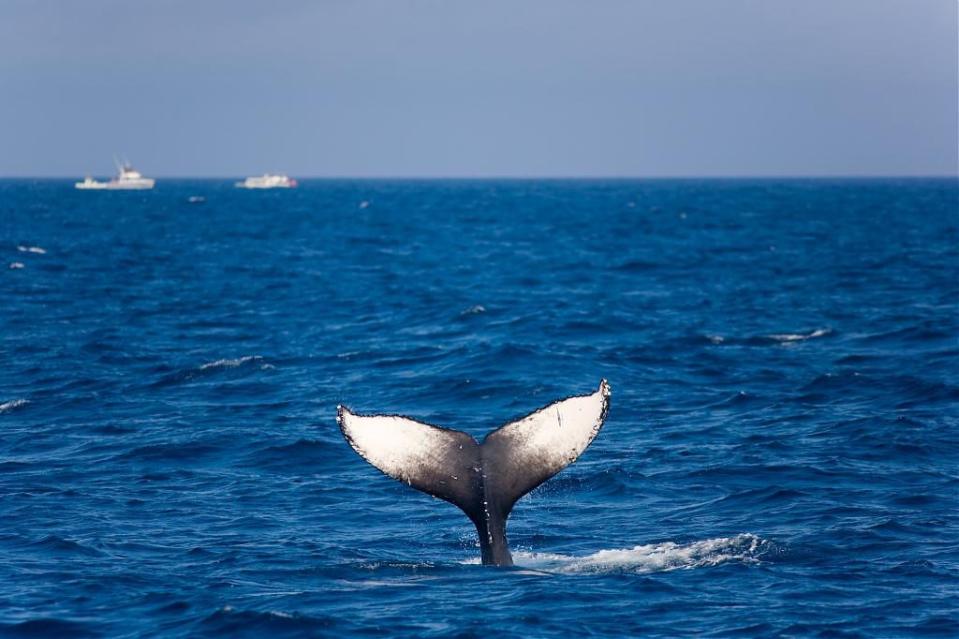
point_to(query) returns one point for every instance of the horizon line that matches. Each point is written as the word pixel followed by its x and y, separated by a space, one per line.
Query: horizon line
pixel 743 176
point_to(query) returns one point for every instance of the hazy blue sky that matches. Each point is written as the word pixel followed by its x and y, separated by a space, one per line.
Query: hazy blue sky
pixel 480 88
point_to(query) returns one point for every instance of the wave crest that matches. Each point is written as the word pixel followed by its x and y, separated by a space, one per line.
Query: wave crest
pixel 799 337
pixel 230 363
pixel 13 404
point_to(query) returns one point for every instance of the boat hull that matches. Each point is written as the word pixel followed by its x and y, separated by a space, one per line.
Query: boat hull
pixel 267 181
pixel 139 185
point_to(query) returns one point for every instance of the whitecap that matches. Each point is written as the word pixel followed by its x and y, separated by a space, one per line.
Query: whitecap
pixel 379 583
pixel 798 337
pixel 16 403
pixel 277 593
pixel 230 363
pixel 744 548
pixel 15 265
pixel 280 614
pixel 32 249
pixel 474 310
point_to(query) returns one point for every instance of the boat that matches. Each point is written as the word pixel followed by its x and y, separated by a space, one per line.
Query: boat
pixel 127 179
pixel 267 181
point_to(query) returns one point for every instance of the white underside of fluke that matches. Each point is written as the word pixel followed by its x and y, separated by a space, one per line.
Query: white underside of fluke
pixel 396 445
pixel 544 442
pixel 554 436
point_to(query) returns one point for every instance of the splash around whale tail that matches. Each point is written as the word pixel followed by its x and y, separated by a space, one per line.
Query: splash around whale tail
pixel 483 479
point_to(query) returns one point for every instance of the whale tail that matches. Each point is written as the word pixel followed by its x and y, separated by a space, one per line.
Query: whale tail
pixel 484 480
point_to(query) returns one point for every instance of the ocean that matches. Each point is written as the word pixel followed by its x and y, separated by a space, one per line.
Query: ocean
pixel 779 459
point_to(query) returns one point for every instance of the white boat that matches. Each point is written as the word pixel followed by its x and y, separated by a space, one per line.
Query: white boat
pixel 267 181
pixel 127 179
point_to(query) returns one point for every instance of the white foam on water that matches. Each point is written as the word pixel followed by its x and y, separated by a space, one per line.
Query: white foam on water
pixel 797 337
pixel 32 249
pixel 474 310
pixel 16 265
pixel 230 363
pixel 378 583
pixel 16 403
pixel 744 548
pixel 280 614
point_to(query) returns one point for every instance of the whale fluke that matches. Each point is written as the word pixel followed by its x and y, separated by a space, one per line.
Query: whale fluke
pixel 484 480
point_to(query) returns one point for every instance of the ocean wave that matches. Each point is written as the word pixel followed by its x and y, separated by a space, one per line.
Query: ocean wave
pixel 615 479
pixel 744 548
pixel 32 249
pixel 210 369
pixel 798 337
pixel 254 623
pixel 230 363
pixel 172 452
pixel 13 404
pixel 59 545
pixel 474 310
pixel 764 340
pixel 301 456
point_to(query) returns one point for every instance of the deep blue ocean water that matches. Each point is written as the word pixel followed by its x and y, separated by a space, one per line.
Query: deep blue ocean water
pixel 781 457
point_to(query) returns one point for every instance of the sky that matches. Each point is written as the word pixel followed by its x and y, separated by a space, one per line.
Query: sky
pixel 448 88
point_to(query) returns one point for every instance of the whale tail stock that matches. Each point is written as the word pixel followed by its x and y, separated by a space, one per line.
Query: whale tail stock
pixel 483 479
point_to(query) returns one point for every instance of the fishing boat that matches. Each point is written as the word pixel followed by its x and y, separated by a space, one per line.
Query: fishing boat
pixel 267 181
pixel 127 179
